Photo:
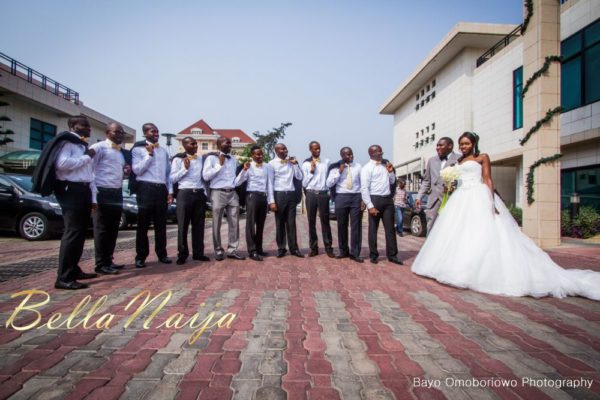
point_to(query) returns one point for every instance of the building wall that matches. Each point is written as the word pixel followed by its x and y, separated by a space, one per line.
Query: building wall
pixel 576 15
pixel 21 111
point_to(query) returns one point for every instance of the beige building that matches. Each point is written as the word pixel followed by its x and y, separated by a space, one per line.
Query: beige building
pixel 36 108
pixel 207 137
pixel 473 80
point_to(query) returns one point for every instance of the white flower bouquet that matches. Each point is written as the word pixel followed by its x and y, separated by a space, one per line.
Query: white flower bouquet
pixel 449 175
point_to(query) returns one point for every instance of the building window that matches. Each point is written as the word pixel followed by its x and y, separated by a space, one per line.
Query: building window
pixel 204 146
pixel 518 98
pixel 214 146
pixel 433 84
pixel 580 85
pixel 196 131
pixel 585 181
pixel 235 139
pixel 40 133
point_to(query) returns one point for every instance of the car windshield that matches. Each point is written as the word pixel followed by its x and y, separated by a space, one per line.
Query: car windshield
pixel 23 181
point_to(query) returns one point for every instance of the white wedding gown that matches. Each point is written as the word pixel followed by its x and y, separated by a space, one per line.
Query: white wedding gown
pixel 471 247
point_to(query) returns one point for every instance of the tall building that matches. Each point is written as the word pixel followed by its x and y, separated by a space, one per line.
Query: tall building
pixel 474 80
pixel 35 108
pixel 207 137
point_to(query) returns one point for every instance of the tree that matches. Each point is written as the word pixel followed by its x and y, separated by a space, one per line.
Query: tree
pixel 6 132
pixel 267 141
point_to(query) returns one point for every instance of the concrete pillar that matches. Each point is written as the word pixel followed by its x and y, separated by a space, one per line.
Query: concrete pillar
pixel 541 220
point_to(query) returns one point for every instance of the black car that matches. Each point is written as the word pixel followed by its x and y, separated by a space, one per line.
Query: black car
pixel 414 218
pixel 130 209
pixel 33 216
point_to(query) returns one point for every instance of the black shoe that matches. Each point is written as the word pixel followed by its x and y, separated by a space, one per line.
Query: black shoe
pixel 117 266
pixel 330 254
pixel 201 258
pixel 313 253
pixel 180 260
pixel 281 253
pixel 235 256
pixel 400 234
pixel 84 275
pixel 73 285
pixel 297 254
pixel 165 260
pixel 140 264
pixel 219 257
pixel 358 259
pixel 373 260
pixel 262 253
pixel 340 256
pixel 255 257
pixel 106 270
pixel 395 260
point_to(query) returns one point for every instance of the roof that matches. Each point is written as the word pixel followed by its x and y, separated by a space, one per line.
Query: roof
pixel 463 35
pixel 207 130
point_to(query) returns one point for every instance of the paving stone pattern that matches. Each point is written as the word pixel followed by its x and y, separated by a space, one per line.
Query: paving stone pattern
pixel 312 328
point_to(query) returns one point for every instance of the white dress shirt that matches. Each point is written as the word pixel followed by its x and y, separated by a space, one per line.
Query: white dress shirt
pixel 284 174
pixel 154 169
pixel 375 180
pixel 318 179
pixel 220 176
pixel 341 180
pixel 72 164
pixel 259 178
pixel 108 166
pixel 187 178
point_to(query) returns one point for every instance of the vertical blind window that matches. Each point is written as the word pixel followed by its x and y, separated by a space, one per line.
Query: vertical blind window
pixel 40 133
pixel 518 98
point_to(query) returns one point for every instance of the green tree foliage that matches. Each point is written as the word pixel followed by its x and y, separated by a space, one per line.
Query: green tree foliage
pixel 267 141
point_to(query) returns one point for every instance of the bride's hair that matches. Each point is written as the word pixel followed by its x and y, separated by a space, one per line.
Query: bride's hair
pixel 474 138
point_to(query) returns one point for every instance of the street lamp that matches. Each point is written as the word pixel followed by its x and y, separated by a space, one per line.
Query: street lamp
pixel 169 136
pixel 575 199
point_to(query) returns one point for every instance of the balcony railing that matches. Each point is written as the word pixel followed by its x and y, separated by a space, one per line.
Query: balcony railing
pixel 500 45
pixel 37 78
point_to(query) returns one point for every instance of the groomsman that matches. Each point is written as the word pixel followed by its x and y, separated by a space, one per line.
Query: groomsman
pixel 186 172
pixel 150 163
pixel 284 172
pixel 259 194
pixel 377 178
pixel 109 166
pixel 431 180
pixel 220 170
pixel 73 168
pixel 344 181
pixel 314 171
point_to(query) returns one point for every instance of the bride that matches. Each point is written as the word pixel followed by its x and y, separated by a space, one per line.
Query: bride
pixel 477 244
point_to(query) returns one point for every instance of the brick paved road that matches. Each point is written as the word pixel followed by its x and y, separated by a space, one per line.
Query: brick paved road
pixel 312 328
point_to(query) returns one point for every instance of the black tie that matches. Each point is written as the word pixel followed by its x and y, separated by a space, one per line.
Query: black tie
pixel 444 158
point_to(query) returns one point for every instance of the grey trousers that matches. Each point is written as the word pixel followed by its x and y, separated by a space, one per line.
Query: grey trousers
pixel 431 214
pixel 225 201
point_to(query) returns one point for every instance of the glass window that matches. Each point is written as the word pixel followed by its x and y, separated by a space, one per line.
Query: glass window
pixel 592 74
pixel 518 98
pixel 584 181
pixel 204 146
pixel 40 133
pixel 592 34
pixel 570 85
pixel 571 46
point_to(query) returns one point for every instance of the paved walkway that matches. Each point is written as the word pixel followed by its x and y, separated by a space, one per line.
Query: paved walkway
pixel 313 328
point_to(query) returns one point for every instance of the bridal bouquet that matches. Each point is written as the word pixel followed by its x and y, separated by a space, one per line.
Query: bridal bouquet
pixel 449 175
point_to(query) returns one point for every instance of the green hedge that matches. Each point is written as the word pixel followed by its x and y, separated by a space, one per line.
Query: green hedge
pixel 585 225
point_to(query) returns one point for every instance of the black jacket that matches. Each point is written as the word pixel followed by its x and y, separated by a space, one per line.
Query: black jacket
pixel 332 166
pixel 44 174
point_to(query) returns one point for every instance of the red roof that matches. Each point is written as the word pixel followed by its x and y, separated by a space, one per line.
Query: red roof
pixel 228 133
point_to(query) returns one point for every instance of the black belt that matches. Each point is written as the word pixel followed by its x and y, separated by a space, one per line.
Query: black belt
pixel 153 184
pixel 253 192
pixel 200 190
pixel 389 196
pixel 285 191
pixel 71 183
pixel 105 189
pixel 317 191
pixel 224 190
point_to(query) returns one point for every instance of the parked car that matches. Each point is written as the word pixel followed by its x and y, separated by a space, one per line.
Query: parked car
pixel 414 218
pixel 130 209
pixel 31 215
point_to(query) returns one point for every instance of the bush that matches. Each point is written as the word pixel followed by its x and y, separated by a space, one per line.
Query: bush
pixel 517 213
pixel 585 225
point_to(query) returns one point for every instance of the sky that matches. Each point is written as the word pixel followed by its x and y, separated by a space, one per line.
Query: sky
pixel 325 66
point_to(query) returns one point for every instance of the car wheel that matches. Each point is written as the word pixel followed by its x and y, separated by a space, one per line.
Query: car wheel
pixel 416 226
pixel 34 226
pixel 123 222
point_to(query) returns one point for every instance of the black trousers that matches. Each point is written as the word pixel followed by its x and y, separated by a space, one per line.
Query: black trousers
pixel 152 207
pixel 191 208
pixel 347 209
pixel 285 220
pixel 318 202
pixel 385 205
pixel 106 224
pixel 256 214
pixel 75 200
